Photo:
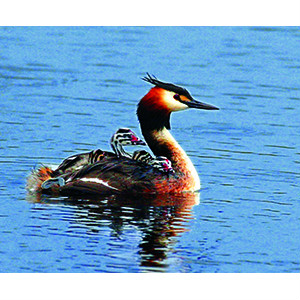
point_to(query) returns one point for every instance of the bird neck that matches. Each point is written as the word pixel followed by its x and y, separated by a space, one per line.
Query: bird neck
pixel 162 143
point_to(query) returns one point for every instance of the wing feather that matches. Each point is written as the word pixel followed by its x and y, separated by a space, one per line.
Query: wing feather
pixel 116 175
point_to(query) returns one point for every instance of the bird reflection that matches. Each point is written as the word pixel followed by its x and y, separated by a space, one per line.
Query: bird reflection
pixel 159 219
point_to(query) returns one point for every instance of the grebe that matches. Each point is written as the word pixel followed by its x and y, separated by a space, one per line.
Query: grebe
pixel 124 137
pixel 127 176
pixel 160 162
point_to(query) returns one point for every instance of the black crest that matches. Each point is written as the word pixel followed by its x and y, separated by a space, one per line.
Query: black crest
pixel 167 86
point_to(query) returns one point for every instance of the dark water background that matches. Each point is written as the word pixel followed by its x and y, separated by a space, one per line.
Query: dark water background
pixel 65 90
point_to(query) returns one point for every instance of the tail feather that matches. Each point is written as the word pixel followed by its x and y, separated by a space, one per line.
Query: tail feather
pixel 37 177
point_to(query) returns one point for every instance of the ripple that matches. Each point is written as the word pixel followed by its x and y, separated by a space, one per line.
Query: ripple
pixel 246 95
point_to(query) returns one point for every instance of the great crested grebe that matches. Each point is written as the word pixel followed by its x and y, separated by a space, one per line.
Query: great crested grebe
pixel 159 162
pixel 124 137
pixel 124 175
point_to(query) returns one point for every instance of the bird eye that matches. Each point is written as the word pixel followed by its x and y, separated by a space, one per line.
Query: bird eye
pixel 176 97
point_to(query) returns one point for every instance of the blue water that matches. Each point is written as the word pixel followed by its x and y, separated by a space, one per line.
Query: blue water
pixel 66 90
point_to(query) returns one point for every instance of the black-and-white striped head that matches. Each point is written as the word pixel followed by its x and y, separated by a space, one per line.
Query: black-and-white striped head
pixel 163 164
pixel 142 155
pixel 124 137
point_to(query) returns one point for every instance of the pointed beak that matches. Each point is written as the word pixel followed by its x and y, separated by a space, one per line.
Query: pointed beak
pixel 140 142
pixel 136 141
pixel 200 105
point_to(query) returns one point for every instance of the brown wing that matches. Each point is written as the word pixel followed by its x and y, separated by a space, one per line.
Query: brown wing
pixel 77 161
pixel 117 175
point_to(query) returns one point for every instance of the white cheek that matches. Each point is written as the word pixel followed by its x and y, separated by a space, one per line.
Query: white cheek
pixel 173 104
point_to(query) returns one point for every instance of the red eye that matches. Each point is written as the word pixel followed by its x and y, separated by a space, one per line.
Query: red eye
pixel 176 97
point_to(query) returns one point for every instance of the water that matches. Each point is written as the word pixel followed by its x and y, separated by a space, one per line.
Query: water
pixel 66 90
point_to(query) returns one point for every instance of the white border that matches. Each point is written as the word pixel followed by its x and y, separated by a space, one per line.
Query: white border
pixel 150 286
pixel 151 12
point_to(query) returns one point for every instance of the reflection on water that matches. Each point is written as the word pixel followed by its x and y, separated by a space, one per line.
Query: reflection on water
pixel 160 220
